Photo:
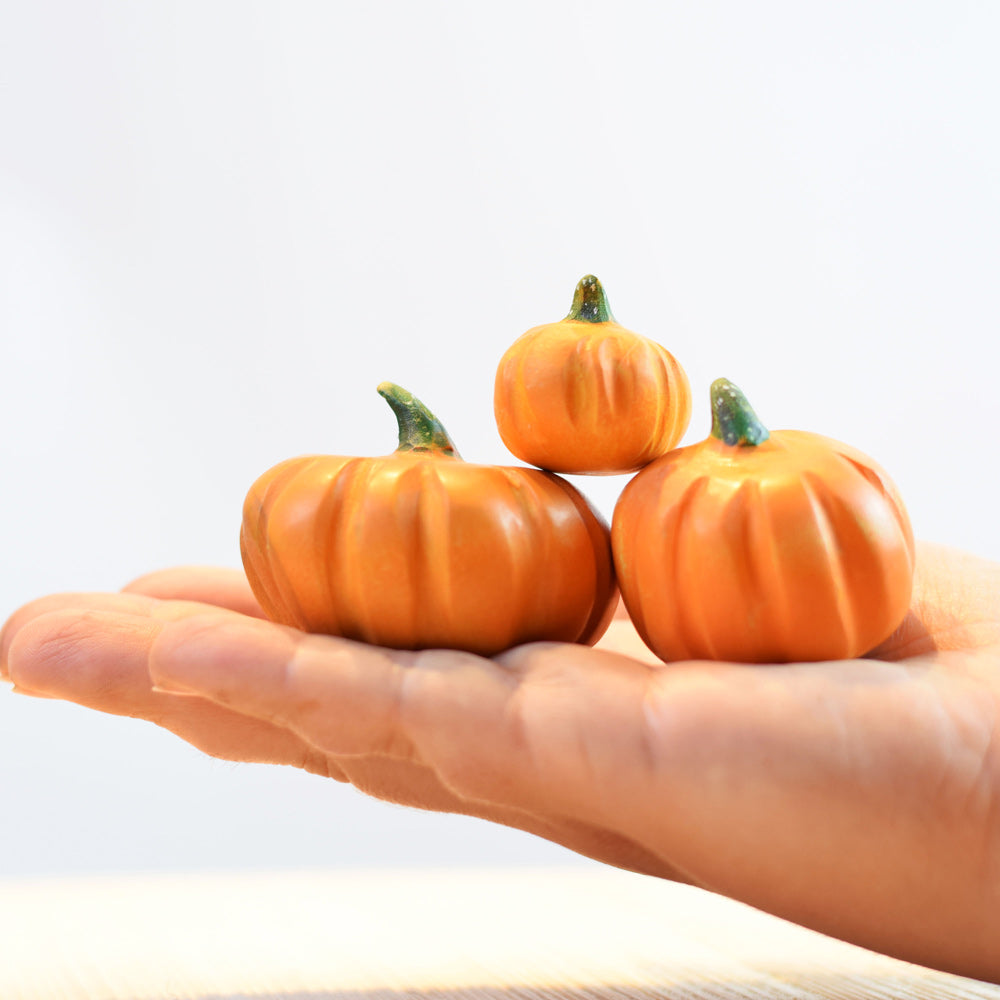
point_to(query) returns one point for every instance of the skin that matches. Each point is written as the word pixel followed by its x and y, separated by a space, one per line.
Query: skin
pixel 860 798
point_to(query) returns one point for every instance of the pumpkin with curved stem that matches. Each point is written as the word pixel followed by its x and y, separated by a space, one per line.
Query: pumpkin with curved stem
pixel 586 395
pixel 419 549
pixel 762 547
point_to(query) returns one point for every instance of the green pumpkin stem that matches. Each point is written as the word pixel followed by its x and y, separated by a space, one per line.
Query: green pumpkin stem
pixel 733 419
pixel 419 429
pixel 590 303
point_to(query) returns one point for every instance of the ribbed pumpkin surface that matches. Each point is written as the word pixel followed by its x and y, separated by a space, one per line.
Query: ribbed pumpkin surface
pixel 416 550
pixel 580 397
pixel 798 548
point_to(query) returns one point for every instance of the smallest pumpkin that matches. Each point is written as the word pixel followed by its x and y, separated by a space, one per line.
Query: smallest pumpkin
pixel 762 547
pixel 587 396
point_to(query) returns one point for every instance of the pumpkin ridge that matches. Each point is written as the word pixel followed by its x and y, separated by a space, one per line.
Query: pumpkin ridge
pixel 609 381
pixel 508 401
pixel 690 623
pixel 348 568
pixel 522 547
pixel 527 427
pixel 825 521
pixel 881 569
pixel 760 567
pixel 258 574
pixel 253 552
pixel 254 539
pixel 406 526
pixel 880 481
pixel 431 562
pixel 327 517
pixel 680 395
pixel 574 387
pixel 866 471
pixel 784 617
pixel 295 471
pixel 671 421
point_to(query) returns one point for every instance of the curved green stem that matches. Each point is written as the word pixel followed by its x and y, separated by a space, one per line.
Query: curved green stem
pixel 590 303
pixel 733 419
pixel 419 429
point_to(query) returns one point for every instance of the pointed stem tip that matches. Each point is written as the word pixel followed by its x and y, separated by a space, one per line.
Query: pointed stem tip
pixel 733 419
pixel 590 303
pixel 419 429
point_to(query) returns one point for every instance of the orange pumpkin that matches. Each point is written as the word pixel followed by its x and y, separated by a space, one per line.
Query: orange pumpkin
pixel 762 547
pixel 419 549
pixel 585 395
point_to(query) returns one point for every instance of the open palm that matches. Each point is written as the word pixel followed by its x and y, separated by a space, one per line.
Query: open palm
pixel 860 798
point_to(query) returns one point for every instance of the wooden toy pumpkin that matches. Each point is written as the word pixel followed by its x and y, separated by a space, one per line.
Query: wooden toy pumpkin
pixel 586 395
pixel 419 549
pixel 762 547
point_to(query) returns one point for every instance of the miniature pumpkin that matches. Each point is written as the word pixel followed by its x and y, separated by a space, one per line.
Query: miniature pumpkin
pixel 586 395
pixel 762 547
pixel 419 549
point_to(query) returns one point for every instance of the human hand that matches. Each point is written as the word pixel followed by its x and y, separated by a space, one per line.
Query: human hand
pixel 860 798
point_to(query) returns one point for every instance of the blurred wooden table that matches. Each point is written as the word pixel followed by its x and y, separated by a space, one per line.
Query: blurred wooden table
pixel 521 934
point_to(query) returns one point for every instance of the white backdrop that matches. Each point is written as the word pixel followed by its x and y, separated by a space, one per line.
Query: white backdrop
pixel 222 224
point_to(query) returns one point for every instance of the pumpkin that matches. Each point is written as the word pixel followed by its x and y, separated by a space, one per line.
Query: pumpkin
pixel 586 395
pixel 420 549
pixel 762 547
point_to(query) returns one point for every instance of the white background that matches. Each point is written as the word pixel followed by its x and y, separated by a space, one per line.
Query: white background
pixel 222 224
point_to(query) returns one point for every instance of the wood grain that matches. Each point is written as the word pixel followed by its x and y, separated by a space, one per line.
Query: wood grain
pixel 582 933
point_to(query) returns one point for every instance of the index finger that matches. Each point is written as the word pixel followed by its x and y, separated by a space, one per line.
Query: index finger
pixel 215 585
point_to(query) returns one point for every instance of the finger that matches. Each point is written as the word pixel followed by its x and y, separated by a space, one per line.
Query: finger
pixel 216 587
pixel 99 659
pixel 349 700
pixel 338 694
pixel 125 603
pixel 134 603
pixel 538 730
pixel 794 788
pixel 224 588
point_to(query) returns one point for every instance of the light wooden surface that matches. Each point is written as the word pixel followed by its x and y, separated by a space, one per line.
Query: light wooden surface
pixel 569 934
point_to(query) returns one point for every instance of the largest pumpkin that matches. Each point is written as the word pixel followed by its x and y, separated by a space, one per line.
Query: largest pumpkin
pixel 419 549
